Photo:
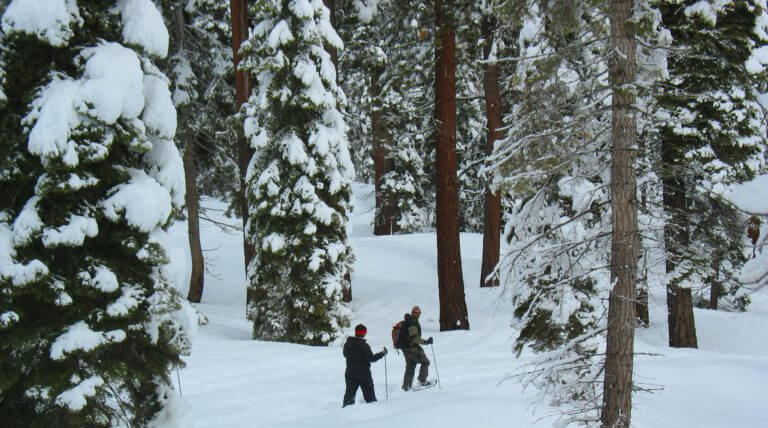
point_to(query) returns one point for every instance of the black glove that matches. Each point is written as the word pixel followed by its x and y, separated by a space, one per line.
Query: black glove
pixel 428 341
pixel 384 351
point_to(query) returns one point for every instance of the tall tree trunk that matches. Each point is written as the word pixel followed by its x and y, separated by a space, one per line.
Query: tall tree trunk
pixel 453 307
pixel 685 329
pixel 384 219
pixel 617 393
pixel 681 325
pixel 239 12
pixel 191 197
pixel 196 281
pixel 492 208
pixel 753 233
pixel 641 306
pixel 714 290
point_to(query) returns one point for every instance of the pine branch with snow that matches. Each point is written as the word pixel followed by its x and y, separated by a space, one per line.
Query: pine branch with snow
pixel 93 180
pixel 708 127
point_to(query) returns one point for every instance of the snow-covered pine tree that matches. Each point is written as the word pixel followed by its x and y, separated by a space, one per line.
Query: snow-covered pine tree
pixel 299 179
pixel 471 121
pixel 397 46
pixel 405 110
pixel 90 324
pixel 554 157
pixel 406 107
pixel 555 160
pixel 710 132
pixel 717 254
pixel 362 58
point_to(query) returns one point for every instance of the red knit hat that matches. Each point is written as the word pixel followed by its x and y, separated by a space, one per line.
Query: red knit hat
pixel 360 330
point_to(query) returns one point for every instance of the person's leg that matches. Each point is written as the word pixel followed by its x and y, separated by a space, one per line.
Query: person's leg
pixel 424 369
pixel 351 391
pixel 410 368
pixel 369 393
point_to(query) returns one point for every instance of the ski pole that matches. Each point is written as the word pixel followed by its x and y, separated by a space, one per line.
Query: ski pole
pixel 437 372
pixel 179 379
pixel 386 381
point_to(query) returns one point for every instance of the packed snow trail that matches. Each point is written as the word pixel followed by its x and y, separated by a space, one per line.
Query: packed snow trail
pixel 233 381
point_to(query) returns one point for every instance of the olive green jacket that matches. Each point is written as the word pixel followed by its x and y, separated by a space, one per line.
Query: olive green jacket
pixel 414 331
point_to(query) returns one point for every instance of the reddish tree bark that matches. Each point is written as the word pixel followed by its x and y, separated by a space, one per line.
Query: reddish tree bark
pixel 684 335
pixel 681 324
pixel 239 12
pixel 492 206
pixel 383 222
pixel 453 307
pixel 619 352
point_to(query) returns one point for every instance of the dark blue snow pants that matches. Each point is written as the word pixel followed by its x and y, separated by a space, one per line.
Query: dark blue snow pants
pixel 352 384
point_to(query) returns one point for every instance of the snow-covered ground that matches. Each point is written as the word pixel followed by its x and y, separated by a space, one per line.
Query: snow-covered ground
pixel 233 381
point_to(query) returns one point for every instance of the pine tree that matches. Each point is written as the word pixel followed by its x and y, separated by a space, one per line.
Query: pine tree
pixel 407 113
pixel 453 307
pixel 493 113
pixel 200 69
pixel 620 331
pixel 470 120
pixel 710 131
pixel 299 181
pixel 388 68
pixel 555 159
pixel 364 65
pixel 359 66
pixel 239 15
pixel 90 324
pixel 716 255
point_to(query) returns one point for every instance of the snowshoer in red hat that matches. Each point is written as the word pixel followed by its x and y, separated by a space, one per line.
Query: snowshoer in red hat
pixel 358 374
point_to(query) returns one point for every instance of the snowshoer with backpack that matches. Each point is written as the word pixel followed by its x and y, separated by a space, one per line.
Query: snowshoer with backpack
pixel 410 341
pixel 358 374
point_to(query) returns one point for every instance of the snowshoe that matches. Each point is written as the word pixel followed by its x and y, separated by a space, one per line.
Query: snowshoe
pixel 428 384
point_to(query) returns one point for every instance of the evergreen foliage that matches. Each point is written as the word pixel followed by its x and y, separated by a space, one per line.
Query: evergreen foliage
pixel 407 105
pixel 299 179
pixel 398 45
pixel 362 56
pixel 395 44
pixel 470 115
pixel 201 73
pixel 556 161
pixel 557 164
pixel 90 324
pixel 711 129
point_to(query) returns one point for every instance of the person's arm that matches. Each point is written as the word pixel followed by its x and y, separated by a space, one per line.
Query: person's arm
pixel 379 355
pixel 368 354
